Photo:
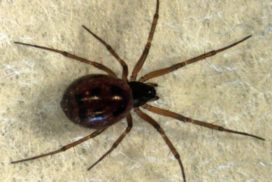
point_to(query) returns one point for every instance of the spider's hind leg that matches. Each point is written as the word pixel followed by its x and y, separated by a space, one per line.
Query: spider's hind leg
pixel 71 56
pixel 64 148
pixel 117 142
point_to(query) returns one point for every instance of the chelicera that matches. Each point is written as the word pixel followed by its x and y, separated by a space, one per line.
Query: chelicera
pixel 97 101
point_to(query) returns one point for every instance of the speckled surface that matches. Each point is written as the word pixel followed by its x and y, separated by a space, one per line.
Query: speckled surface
pixel 232 89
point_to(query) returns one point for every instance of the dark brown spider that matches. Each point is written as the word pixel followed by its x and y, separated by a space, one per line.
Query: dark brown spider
pixel 98 101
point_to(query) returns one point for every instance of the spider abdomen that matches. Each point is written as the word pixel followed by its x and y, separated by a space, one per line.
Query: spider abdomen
pixel 97 101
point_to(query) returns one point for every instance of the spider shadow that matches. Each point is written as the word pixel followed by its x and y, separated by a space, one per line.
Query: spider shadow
pixel 47 118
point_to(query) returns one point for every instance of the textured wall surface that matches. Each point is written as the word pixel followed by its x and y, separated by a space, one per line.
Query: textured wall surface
pixel 233 89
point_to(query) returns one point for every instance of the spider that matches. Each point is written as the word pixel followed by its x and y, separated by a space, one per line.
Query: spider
pixel 97 101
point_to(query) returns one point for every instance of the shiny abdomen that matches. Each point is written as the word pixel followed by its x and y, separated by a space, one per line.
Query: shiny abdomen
pixel 97 101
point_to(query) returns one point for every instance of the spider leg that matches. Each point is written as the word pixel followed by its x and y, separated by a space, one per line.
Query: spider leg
pixel 145 52
pixel 152 84
pixel 180 117
pixel 174 67
pixel 65 147
pixel 72 56
pixel 151 121
pixel 117 142
pixel 112 51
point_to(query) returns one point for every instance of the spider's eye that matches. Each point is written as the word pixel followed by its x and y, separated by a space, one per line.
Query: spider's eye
pixel 151 93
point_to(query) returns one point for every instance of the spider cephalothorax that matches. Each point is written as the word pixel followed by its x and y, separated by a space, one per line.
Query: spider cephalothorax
pixel 142 93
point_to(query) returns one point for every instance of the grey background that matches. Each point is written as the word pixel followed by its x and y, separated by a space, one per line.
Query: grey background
pixel 232 89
